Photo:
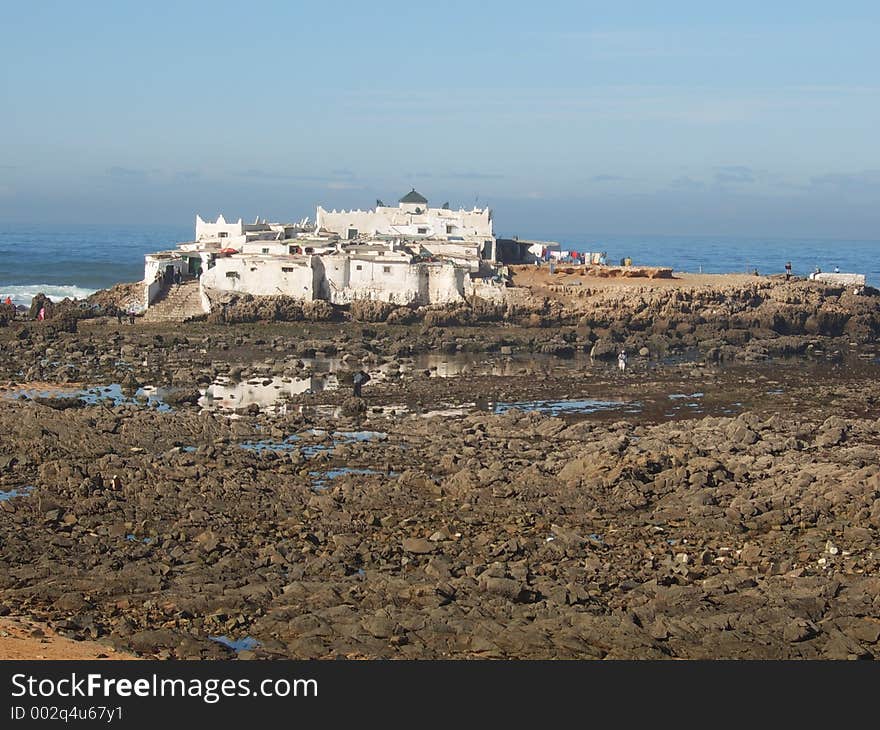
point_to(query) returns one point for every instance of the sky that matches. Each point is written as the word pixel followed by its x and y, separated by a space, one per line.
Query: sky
pixel 673 118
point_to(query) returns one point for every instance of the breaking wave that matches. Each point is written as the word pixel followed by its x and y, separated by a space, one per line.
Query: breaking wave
pixel 23 293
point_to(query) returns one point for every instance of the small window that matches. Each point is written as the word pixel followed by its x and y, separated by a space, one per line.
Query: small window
pixel 352 233
pixel 359 267
pixel 264 250
pixel 232 275
pixel 309 249
pixel 287 269
pixel 223 234
pixel 386 269
pixel 423 230
pixel 449 229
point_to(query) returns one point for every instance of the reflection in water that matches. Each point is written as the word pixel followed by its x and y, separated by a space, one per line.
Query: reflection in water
pixel 248 643
pixel 114 394
pixel 562 407
pixel 274 394
pixel 321 479
pixel 332 440
pixel 133 538
pixel 448 365
pixel 269 394
pixel 22 492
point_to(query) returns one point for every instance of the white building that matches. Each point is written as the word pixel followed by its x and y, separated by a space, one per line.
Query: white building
pixel 219 232
pixel 411 254
pixel 413 218
pixel 382 271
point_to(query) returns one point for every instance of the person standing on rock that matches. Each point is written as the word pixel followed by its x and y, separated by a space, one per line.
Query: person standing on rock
pixel 621 361
pixel 788 270
pixel 360 377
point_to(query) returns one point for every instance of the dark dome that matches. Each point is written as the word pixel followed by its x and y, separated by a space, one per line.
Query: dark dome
pixel 413 197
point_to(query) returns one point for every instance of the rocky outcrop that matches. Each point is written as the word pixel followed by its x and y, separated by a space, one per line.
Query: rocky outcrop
pixel 747 535
pixel 243 308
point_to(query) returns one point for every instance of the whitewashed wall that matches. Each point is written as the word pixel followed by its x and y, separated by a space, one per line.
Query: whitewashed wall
pixel 151 291
pixel 490 291
pixel 445 283
pixel 273 248
pixel 154 265
pixel 369 280
pixel 264 277
pixel 339 279
pixel 397 221
pixel 207 231
pixel 465 253
pixel 336 272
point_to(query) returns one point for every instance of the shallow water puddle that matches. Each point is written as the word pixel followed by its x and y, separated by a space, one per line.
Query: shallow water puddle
pixel 288 444
pixel 292 442
pixel 268 394
pixel 353 436
pixel 248 643
pixel 275 394
pixel 149 396
pixel 567 406
pixel 321 479
pixel 133 538
pixel 12 493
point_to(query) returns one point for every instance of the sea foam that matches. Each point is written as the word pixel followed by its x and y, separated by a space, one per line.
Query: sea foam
pixel 23 293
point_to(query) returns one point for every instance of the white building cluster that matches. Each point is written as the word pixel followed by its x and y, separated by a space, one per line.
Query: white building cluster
pixel 410 254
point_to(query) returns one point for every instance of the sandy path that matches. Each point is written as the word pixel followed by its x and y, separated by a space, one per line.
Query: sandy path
pixel 532 276
pixel 22 639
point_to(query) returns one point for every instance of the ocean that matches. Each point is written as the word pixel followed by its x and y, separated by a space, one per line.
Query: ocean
pixel 76 260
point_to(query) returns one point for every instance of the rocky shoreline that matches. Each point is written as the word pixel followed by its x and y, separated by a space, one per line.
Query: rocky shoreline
pixel 731 509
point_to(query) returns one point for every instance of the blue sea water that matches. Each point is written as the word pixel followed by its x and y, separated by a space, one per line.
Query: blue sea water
pixel 75 260
pixel 724 255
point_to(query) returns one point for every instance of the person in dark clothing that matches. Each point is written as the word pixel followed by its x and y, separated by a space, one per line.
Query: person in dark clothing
pixel 177 277
pixel 360 377
pixel 119 314
pixel 788 271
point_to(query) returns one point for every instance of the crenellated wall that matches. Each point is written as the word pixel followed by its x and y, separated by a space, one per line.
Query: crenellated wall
pixel 220 230
pixel 430 223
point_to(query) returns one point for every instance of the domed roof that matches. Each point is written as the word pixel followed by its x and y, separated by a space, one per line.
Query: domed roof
pixel 413 197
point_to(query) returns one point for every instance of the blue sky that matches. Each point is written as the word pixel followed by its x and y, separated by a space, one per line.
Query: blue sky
pixel 690 118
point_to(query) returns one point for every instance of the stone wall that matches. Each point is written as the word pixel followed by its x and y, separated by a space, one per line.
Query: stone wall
pixel 435 222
